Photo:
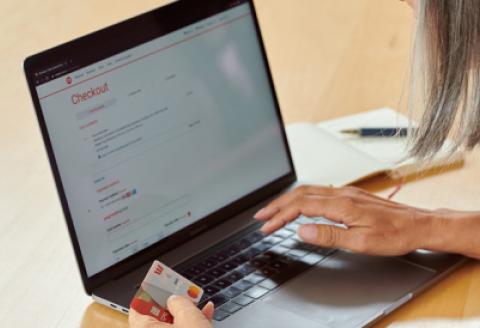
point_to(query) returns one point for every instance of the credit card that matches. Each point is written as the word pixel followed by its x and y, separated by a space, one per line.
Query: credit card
pixel 160 283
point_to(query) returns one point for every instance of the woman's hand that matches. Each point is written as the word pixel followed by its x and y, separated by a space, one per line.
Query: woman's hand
pixel 185 315
pixel 374 225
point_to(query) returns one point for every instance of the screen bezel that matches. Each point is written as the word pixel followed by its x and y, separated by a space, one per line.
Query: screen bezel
pixel 105 43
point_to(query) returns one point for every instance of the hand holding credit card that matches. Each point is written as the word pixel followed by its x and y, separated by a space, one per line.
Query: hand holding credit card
pixel 160 283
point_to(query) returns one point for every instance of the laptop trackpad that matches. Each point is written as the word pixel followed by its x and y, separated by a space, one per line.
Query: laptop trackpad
pixel 347 290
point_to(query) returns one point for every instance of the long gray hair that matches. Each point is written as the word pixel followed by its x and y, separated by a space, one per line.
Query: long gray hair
pixel 446 75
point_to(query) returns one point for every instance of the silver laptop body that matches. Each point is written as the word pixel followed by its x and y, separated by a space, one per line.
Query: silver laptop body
pixel 165 136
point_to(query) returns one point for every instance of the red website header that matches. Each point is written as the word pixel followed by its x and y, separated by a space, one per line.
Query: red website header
pixel 89 94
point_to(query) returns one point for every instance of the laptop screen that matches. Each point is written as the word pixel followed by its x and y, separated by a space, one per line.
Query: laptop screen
pixel 156 137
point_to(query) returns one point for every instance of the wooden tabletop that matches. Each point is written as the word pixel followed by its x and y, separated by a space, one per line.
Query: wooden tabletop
pixel 329 58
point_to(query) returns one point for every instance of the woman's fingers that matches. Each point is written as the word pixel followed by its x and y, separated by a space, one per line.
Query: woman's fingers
pixel 304 191
pixel 208 310
pixel 374 225
pixel 185 313
pixel 336 208
pixel 276 205
pixel 329 236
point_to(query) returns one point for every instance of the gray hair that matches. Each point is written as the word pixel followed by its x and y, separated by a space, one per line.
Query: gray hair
pixel 446 75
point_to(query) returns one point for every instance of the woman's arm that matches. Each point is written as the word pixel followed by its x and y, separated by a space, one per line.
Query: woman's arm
pixel 454 232
pixel 373 224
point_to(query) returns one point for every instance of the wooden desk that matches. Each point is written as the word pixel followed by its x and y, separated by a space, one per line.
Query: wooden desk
pixel 329 58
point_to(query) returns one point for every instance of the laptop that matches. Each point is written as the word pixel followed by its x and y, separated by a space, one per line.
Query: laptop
pixel 165 136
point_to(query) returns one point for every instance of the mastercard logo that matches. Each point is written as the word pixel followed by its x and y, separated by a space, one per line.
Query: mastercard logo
pixel 193 292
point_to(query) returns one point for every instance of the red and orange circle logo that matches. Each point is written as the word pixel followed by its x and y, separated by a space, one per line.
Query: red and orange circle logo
pixel 193 292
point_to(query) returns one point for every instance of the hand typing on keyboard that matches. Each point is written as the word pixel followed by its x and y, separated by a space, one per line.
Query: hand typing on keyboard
pixel 372 225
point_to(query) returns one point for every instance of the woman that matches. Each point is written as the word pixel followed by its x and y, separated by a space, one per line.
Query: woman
pixel 447 68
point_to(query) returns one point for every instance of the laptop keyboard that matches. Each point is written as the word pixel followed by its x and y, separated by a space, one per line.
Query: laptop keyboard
pixel 252 266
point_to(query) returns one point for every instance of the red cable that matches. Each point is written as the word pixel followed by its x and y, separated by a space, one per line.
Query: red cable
pixel 396 190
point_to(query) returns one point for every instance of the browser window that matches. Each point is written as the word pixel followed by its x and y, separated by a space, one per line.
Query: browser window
pixel 157 137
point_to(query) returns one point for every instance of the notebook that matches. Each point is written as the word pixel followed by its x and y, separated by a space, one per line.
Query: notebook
pixel 323 155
